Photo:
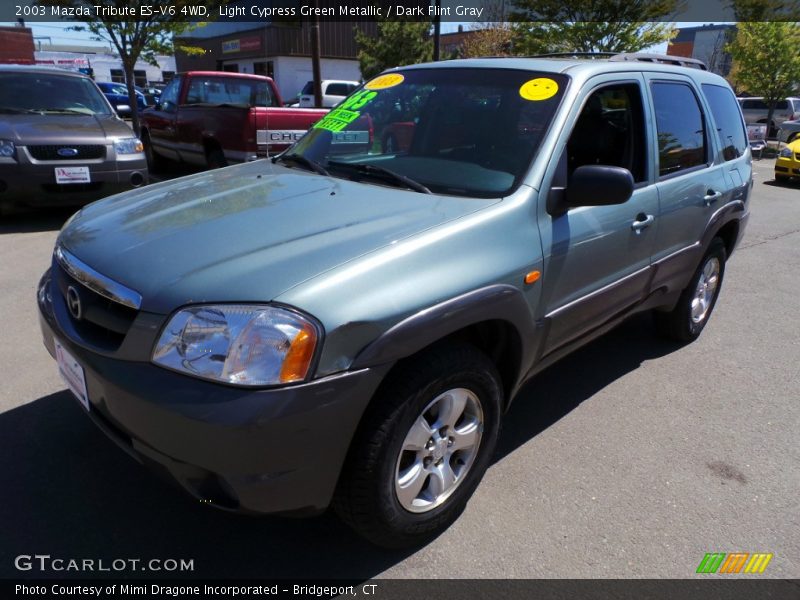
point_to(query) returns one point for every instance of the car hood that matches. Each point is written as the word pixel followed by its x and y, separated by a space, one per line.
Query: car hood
pixel 62 129
pixel 245 233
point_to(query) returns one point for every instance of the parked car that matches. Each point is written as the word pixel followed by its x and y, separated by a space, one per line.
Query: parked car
pixel 333 92
pixel 214 118
pixel 151 94
pixel 347 328
pixel 789 131
pixel 60 141
pixel 755 110
pixel 787 165
pixel 117 94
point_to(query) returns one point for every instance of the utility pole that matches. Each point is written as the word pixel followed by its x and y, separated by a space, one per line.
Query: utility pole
pixel 315 58
pixel 437 26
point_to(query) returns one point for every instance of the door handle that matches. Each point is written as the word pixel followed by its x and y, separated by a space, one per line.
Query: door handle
pixel 711 197
pixel 642 222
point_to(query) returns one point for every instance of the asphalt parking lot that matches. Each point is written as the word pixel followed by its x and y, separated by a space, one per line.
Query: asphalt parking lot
pixel 629 459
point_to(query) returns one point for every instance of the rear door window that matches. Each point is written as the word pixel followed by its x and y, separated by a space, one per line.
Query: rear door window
pixel 681 128
pixel 730 130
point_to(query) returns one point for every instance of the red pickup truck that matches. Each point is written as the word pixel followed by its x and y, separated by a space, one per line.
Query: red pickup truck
pixel 214 118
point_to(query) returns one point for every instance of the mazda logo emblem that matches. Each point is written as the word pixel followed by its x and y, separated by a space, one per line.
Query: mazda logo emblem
pixel 67 152
pixel 74 303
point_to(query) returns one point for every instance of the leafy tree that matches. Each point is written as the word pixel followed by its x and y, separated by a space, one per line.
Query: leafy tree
pixel 544 26
pixel 765 10
pixel 136 38
pixel 766 61
pixel 398 43
pixel 492 36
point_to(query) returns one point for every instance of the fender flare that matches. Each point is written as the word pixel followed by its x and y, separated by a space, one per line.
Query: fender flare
pixel 500 302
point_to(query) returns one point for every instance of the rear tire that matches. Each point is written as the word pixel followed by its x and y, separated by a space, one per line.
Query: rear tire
pixel 215 158
pixel 687 320
pixel 422 447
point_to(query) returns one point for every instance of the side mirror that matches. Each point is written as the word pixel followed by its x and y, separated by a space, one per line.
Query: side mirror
pixel 598 185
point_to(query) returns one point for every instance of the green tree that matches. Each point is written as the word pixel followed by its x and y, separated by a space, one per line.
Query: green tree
pixel 766 61
pixel 142 37
pixel 398 43
pixel 544 26
pixel 765 10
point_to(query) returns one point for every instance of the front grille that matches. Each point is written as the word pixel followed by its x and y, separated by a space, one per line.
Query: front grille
pixel 103 322
pixel 84 152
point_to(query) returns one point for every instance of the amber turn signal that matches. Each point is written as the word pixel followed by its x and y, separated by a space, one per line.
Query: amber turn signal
pixel 532 277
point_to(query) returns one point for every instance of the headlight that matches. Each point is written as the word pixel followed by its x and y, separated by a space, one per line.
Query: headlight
pixel 786 153
pixel 238 344
pixel 7 149
pixel 128 146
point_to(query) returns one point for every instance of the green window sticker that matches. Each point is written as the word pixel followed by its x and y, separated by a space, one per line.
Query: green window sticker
pixel 341 116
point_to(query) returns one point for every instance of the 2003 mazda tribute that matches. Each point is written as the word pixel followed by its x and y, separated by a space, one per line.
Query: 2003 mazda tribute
pixel 346 323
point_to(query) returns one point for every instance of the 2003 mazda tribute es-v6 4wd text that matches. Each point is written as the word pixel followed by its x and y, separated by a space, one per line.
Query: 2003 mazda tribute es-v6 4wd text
pixel 346 323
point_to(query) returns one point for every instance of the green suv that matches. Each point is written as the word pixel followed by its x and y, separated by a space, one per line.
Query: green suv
pixel 346 323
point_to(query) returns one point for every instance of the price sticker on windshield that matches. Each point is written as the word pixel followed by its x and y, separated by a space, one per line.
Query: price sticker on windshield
pixel 541 88
pixel 385 81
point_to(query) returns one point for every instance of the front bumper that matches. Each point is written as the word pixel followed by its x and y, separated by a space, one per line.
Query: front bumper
pixel 788 167
pixel 26 181
pixel 277 450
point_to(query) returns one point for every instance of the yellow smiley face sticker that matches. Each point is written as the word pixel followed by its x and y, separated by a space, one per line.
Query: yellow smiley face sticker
pixel 385 81
pixel 540 88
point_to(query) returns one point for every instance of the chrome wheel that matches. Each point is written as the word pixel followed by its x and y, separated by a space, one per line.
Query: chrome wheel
pixel 706 289
pixel 439 450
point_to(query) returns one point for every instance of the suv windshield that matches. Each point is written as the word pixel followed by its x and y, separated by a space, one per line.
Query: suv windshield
pixel 50 93
pixel 468 132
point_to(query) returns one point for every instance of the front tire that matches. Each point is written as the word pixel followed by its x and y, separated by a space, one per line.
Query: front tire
pixel 155 162
pixel 422 448
pixel 687 320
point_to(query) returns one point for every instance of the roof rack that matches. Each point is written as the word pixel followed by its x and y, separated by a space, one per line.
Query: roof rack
pixel 663 59
pixel 575 55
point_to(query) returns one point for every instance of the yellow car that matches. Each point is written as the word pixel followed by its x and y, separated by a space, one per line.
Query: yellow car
pixel 788 163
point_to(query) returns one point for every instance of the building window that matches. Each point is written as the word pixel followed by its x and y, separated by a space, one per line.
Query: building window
pixel 117 75
pixel 140 78
pixel 166 76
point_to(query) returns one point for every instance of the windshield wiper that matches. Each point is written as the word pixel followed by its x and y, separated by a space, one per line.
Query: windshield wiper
pixel 17 111
pixel 382 173
pixel 62 110
pixel 302 160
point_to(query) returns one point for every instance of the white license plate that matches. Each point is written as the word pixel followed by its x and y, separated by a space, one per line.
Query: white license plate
pixel 73 175
pixel 72 374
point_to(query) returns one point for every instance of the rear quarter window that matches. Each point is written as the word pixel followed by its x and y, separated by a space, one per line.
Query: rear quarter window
pixel 730 129
pixel 681 128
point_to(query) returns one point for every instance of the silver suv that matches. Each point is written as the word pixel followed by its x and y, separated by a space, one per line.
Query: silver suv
pixel 61 143
pixel 755 110
pixel 347 323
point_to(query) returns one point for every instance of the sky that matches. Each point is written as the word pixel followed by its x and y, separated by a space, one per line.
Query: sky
pixel 58 35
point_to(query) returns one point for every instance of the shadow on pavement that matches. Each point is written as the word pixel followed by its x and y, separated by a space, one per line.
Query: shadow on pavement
pixel 71 493
pixel 558 390
pixel 34 220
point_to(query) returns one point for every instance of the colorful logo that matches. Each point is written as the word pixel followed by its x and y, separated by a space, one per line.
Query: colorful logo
pixel 735 562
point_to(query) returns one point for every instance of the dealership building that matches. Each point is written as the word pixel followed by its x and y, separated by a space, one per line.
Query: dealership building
pixel 279 50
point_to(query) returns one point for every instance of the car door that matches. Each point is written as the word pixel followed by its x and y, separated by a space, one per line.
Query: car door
pixel 597 258
pixel 161 121
pixel 691 184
